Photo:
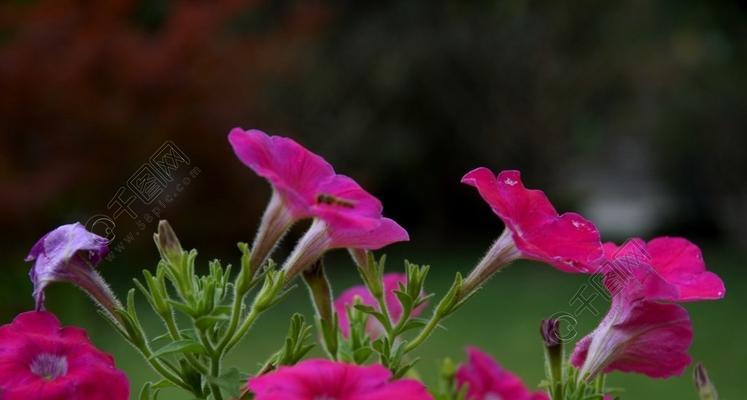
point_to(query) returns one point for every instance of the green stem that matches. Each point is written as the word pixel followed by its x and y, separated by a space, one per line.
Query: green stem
pixel 238 301
pixel 159 367
pixel 215 372
pixel 248 322
pixel 599 384
pixel 176 335
pixel 423 335
pixel 384 310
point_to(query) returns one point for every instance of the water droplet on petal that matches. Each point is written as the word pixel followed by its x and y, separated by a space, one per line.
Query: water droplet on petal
pixel 510 182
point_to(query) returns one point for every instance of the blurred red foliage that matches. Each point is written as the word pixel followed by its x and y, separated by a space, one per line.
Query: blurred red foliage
pixel 122 76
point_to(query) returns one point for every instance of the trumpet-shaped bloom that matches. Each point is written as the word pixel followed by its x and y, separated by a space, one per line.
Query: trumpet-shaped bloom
pixel 643 332
pixel 329 380
pixel 569 242
pixel 346 217
pixel 39 359
pixel 374 328
pixel 294 172
pixel 486 380
pixel 70 253
pixel 680 264
pixel 641 336
pixel 306 186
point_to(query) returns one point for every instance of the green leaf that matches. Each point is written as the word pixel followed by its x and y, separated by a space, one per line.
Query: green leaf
pixel 145 392
pixel 179 346
pixel 206 322
pixel 230 381
pixel 414 323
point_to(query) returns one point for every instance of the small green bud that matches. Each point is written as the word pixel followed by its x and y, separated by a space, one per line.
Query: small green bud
pixel 168 244
pixel 706 389
pixel 550 331
pixel 319 288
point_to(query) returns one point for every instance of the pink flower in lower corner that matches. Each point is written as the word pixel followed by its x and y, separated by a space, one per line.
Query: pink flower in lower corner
pixel 39 359
pixel 329 380
pixel 643 332
pixel 534 230
pixel 374 328
pixel 487 380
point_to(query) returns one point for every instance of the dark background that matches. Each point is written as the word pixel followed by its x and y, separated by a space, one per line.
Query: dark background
pixel 631 113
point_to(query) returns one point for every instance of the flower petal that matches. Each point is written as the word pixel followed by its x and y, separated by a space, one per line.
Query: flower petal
pixel 318 379
pixel 681 262
pixel 486 378
pixel 384 234
pixel 293 171
pixel 644 337
pixel 569 242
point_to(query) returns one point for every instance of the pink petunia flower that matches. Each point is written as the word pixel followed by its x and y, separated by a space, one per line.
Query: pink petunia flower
pixel 679 263
pixel 486 380
pixel 374 328
pixel 534 230
pixel 329 380
pixel 643 332
pixel 70 253
pixel 306 186
pixel 295 174
pixel 348 217
pixel 39 359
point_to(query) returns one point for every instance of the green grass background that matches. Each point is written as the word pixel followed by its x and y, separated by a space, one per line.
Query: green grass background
pixel 502 319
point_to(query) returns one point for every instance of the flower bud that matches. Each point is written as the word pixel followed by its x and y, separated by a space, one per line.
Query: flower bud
pixel 320 291
pixel 168 244
pixel 550 331
pixel 706 389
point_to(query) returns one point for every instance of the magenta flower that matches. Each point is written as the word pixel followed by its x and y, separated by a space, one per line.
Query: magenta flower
pixel 680 264
pixel 323 379
pixel 643 332
pixel 306 186
pixel 346 217
pixel 374 328
pixel 295 174
pixel 486 380
pixel 70 253
pixel 534 230
pixel 642 336
pixel 39 359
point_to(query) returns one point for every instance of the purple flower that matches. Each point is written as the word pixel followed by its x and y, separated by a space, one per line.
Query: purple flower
pixel 70 253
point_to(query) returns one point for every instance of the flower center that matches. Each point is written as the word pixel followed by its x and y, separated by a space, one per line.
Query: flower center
pixel 49 366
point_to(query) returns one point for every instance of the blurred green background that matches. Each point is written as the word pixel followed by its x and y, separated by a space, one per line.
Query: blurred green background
pixel 631 113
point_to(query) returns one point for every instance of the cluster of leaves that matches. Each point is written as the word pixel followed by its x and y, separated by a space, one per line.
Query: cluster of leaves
pixel 393 345
pixel 214 305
